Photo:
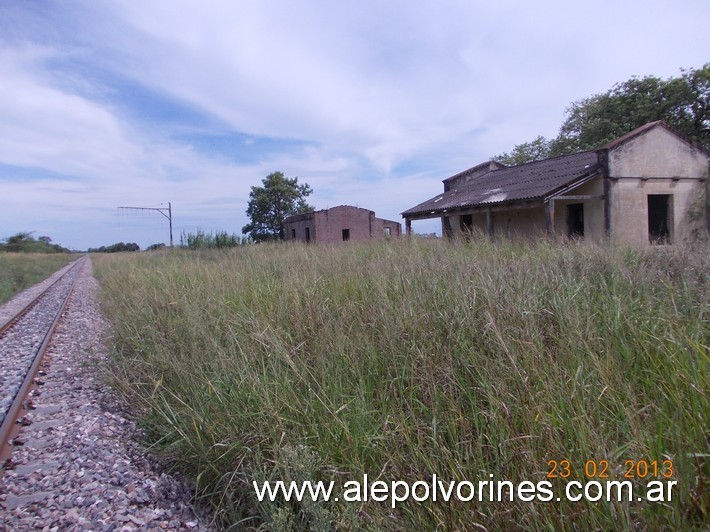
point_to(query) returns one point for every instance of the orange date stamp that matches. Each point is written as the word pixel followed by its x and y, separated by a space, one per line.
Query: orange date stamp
pixel 631 469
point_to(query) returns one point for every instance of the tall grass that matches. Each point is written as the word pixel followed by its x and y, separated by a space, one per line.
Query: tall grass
pixel 403 359
pixel 21 270
pixel 218 239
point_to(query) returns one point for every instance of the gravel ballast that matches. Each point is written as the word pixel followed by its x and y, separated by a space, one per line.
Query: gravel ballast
pixel 79 465
pixel 19 345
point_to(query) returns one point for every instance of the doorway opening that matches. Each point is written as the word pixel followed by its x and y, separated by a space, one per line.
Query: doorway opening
pixel 466 225
pixel 575 220
pixel 659 218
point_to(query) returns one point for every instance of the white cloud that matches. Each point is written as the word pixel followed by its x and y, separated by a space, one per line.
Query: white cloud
pixel 47 128
pixel 323 74
pixel 390 97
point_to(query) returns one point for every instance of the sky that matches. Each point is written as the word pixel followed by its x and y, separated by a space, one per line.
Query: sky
pixel 372 103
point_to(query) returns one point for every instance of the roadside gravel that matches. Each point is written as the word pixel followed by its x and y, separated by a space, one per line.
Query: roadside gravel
pixel 80 466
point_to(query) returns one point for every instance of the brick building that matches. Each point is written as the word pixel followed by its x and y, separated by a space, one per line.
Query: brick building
pixel 339 224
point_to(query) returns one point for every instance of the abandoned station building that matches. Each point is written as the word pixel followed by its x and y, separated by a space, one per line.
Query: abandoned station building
pixel 648 187
pixel 339 224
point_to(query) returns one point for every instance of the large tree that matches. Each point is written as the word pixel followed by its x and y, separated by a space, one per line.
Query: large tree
pixel 271 203
pixel 528 151
pixel 682 102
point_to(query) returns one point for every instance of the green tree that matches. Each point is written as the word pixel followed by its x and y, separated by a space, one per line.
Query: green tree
pixel 682 102
pixel 116 248
pixel 271 203
pixel 528 151
pixel 24 242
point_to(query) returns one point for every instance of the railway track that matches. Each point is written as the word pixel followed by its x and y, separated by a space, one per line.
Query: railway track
pixel 75 460
pixel 24 338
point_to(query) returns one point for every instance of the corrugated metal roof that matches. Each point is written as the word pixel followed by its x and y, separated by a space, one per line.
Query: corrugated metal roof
pixel 530 181
pixel 488 165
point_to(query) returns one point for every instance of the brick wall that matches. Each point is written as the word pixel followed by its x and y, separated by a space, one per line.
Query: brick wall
pixel 339 224
pixel 300 227
pixel 333 222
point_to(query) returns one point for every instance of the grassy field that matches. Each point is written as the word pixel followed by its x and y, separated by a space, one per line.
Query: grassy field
pixel 21 270
pixel 404 359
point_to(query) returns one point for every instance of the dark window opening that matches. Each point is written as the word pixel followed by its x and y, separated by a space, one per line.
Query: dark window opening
pixel 575 220
pixel 659 218
pixel 308 234
pixel 293 234
pixel 346 235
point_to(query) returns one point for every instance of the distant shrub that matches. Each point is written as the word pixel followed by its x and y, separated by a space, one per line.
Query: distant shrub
pixel 115 248
pixel 24 242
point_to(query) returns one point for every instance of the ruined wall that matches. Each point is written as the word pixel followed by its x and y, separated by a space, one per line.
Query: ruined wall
pixel 656 162
pixel 327 226
pixel 379 226
pixel 295 227
pixel 330 224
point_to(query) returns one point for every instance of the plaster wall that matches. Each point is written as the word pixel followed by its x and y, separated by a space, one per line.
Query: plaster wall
pixel 647 165
pixel 657 153
pixel 510 223
pixel 593 210
pixel 519 223
pixel 629 208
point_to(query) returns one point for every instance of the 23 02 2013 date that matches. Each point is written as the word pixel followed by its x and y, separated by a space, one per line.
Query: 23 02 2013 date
pixel 600 468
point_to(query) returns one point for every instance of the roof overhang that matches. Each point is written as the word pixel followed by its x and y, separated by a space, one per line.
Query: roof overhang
pixel 581 181
pixel 505 204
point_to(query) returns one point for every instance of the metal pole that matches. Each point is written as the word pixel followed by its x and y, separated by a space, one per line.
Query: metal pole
pixel 162 210
pixel 170 221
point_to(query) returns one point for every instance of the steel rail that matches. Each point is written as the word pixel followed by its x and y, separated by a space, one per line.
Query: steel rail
pixel 4 326
pixel 19 405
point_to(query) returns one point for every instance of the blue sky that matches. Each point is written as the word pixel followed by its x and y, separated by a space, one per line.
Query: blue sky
pixel 373 103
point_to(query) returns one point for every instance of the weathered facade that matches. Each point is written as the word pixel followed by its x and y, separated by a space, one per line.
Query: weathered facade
pixel 339 224
pixel 647 187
